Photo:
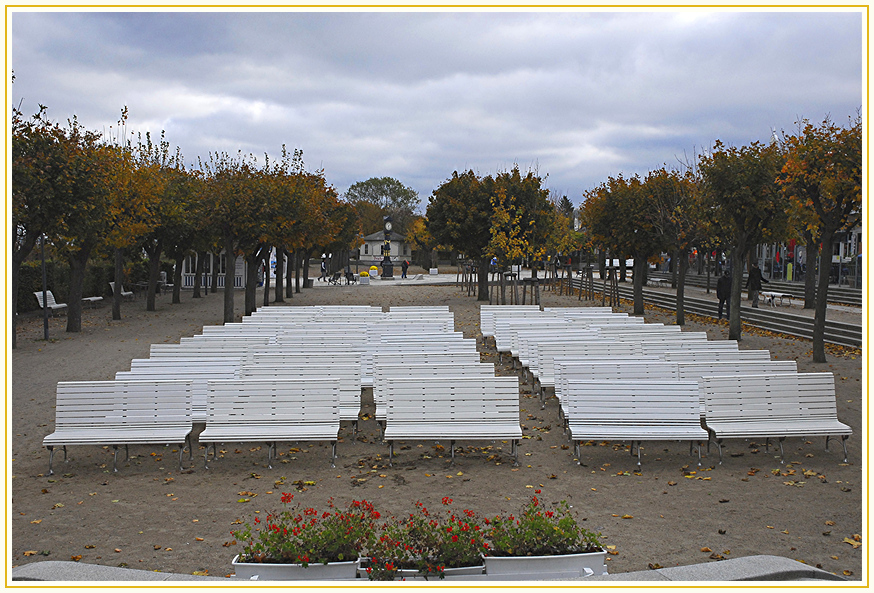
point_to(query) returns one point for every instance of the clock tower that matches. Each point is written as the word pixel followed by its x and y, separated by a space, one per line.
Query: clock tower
pixel 387 268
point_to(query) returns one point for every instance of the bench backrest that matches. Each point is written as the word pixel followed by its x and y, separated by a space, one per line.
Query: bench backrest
pixel 784 396
pixel 257 401
pixel 673 354
pixel 453 399
pixel 633 402
pixel 426 372
pixel 83 404
pixel 490 314
pixel 50 299
pixel 694 370
pixel 543 355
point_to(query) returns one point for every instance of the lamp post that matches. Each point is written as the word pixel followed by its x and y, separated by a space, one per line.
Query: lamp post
pixel 45 309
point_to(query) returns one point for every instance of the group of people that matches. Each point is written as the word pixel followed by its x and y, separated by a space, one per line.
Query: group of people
pixel 723 289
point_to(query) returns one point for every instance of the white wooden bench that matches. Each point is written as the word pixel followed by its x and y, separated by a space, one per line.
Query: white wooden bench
pixel 197 370
pixel 772 296
pixel 778 405
pixel 50 303
pixel 125 294
pixel 247 410
pixel 634 410
pixel 453 408
pixel 425 370
pixel 121 413
pixel 607 370
pixel 347 371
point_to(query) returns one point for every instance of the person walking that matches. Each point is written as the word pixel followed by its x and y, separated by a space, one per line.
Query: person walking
pixel 404 265
pixel 723 293
pixel 324 275
pixel 754 284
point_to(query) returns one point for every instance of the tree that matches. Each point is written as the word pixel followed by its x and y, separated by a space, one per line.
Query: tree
pixel 383 196
pixel 742 195
pixel 459 215
pixel 676 200
pixel 823 174
pixel 40 187
pixel 566 208
pixel 86 220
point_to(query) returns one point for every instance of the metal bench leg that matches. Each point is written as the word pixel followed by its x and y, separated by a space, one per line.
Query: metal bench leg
pixel 206 455
pixel 843 443
pixel 719 446
pixel 515 453
pixel 699 451
pixel 52 454
pixel 638 453
pixel 333 453
pixel 782 458
pixel 391 448
pixel 271 448
pixel 452 451
pixel 114 458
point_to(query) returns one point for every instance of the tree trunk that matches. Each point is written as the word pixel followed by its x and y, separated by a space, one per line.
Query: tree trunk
pixel 822 295
pixel 305 264
pixel 811 251
pixel 119 279
pixel 253 262
pixel 483 279
pixel 78 261
pixel 266 300
pixel 637 283
pixel 216 260
pixel 682 269
pixel 289 267
pixel 230 264
pixel 18 256
pixel 177 278
pixel 297 258
pixel 153 251
pixel 280 276
pixel 738 255
pixel 198 274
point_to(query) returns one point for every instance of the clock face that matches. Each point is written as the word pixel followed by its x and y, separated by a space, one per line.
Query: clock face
pixel 388 226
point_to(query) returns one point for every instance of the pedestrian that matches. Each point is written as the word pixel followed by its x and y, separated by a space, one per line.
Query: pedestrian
pixel 404 265
pixel 754 284
pixel 723 293
pixel 324 275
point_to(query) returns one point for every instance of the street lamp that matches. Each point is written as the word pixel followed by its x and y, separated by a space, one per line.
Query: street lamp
pixel 387 268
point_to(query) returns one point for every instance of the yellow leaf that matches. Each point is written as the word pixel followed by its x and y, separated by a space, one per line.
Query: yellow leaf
pixel 31 553
pixel 706 550
pixel 198 539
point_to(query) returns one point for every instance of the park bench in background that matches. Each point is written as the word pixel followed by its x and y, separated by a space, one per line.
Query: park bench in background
pixel 50 303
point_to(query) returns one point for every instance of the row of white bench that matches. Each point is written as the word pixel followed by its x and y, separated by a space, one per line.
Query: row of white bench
pixel 616 378
pixel 246 385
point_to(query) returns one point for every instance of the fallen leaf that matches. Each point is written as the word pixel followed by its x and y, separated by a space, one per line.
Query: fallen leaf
pixel 37 521
pixel 76 558
pixel 198 539
pixel 627 517
pixel 852 542
pixel 31 553
pixel 706 550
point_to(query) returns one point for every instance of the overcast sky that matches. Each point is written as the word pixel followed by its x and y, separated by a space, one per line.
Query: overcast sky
pixel 575 95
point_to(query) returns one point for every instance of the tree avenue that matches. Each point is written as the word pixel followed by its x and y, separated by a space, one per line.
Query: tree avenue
pixel 89 196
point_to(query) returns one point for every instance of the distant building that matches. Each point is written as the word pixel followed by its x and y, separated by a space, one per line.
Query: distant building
pixel 371 251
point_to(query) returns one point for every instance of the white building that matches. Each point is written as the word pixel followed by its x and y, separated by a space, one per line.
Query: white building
pixel 371 251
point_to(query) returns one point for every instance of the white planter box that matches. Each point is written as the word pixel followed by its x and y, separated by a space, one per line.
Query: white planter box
pixel 548 567
pixel 364 280
pixel 333 571
pixel 434 271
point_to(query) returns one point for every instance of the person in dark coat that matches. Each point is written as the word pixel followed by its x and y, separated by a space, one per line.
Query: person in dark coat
pixel 754 284
pixel 723 293
pixel 404 265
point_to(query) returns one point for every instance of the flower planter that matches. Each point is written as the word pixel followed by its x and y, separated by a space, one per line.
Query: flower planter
pixel 547 567
pixel 412 573
pixel 364 280
pixel 333 571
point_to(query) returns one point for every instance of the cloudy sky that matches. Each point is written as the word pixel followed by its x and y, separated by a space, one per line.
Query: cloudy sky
pixel 575 95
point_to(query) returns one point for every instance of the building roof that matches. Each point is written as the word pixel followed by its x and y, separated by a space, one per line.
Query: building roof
pixel 380 236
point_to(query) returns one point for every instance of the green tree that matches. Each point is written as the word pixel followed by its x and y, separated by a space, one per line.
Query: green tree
pixel 383 196
pixel 459 215
pixel 823 174
pixel 741 194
